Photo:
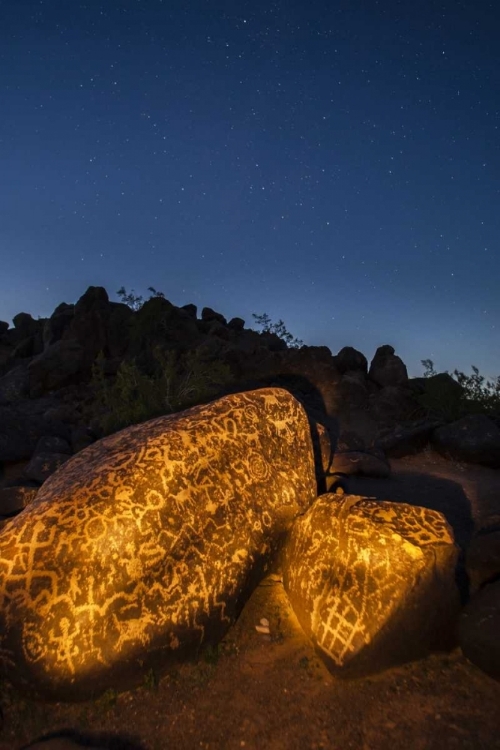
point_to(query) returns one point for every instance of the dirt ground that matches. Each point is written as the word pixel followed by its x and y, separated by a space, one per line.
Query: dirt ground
pixel 271 692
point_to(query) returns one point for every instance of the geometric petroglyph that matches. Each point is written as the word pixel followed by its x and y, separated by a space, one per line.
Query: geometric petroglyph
pixel 371 582
pixel 146 544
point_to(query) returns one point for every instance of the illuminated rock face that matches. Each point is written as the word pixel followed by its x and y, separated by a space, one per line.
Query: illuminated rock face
pixel 371 582
pixel 146 544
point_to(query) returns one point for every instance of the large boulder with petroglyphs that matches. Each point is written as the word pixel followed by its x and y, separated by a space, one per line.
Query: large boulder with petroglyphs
pixel 143 548
pixel 372 583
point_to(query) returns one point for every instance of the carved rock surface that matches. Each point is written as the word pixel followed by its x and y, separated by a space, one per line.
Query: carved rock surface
pixel 146 544
pixel 372 583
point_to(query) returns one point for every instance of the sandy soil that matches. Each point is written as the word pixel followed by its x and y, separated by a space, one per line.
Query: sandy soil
pixel 272 692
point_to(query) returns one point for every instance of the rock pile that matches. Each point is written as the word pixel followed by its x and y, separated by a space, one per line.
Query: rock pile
pixel 360 415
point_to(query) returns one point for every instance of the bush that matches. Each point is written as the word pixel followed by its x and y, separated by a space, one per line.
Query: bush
pixel 136 301
pixel 279 329
pixel 180 381
pixel 451 397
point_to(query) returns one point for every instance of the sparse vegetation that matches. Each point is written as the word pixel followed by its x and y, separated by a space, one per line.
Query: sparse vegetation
pixel 180 380
pixel 136 301
pixel 279 329
pixel 458 394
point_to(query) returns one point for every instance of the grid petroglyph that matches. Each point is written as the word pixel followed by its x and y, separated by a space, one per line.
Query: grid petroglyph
pixel 351 565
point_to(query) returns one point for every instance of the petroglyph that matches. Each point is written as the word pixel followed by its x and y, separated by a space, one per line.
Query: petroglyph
pixel 371 582
pixel 146 544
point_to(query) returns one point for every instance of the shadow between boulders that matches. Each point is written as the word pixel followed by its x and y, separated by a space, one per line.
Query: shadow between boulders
pixel 427 491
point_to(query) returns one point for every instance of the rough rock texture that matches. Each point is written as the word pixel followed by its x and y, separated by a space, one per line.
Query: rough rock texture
pixel 15 499
pixel 479 628
pixel 483 558
pixel 371 583
pixel 387 368
pixel 145 545
pixel 475 439
pixel 55 367
pixel 349 358
pixel 361 463
pixel 20 432
pixel 410 438
pixel 42 465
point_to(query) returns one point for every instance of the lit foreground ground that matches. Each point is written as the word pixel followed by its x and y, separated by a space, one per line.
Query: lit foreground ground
pixel 262 692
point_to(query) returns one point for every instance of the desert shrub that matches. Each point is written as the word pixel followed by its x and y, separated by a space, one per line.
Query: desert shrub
pixel 451 397
pixel 136 301
pixel 482 396
pixel 279 329
pixel 179 381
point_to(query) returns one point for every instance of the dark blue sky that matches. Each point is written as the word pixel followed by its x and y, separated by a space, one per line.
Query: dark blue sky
pixel 334 164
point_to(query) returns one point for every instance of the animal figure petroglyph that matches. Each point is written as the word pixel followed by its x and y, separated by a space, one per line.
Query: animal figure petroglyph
pixel 145 545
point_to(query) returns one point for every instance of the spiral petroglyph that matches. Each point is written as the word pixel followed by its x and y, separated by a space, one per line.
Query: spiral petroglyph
pixel 145 545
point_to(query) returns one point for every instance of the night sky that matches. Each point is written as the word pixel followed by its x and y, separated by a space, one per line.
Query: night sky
pixel 334 164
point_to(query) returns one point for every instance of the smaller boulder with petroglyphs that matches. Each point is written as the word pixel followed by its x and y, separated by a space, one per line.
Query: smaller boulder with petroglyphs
pixel 372 583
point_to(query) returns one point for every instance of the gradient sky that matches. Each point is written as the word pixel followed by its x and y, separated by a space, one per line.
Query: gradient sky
pixel 334 164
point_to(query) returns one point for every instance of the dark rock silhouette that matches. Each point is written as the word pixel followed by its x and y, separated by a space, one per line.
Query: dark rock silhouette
pixel 360 414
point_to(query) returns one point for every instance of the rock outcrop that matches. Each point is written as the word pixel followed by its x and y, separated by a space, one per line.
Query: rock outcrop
pixel 474 439
pixel 360 414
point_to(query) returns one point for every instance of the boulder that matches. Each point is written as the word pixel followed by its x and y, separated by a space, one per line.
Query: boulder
pixel 386 368
pixel 159 322
pixel 350 441
pixel 236 324
pixel 473 439
pixel 353 390
pixel 143 547
pixel 208 315
pixel 272 342
pixel 360 427
pixel 20 432
pixel 190 310
pixel 14 385
pixel 372 583
pixel 88 326
pixel 25 326
pixel 14 499
pixel 360 463
pixel 440 396
pixel 394 404
pixel 404 440
pixel 42 465
pixel 349 358
pixel 81 437
pixel 55 367
pixel 55 326
pixel 52 444
pixel 118 327
pixel 479 627
pixel 482 558
pixel 314 365
pixel 216 328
